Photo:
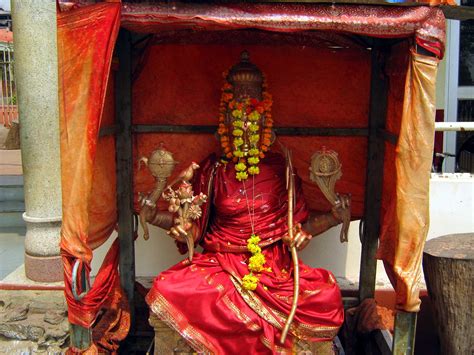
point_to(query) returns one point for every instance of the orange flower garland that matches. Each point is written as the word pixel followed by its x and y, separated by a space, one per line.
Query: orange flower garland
pixel 256 111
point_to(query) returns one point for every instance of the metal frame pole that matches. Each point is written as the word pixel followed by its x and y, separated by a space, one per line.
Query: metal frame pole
pixel 124 160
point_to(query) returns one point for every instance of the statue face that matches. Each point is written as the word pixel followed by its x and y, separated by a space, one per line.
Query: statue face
pixel 245 122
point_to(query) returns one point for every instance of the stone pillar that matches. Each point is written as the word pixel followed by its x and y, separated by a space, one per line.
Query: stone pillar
pixel 36 72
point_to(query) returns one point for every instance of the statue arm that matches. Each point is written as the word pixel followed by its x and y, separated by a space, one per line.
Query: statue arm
pixel 318 223
pixel 162 219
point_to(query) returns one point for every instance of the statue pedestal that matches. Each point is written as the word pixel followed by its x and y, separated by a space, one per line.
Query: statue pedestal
pixel 168 341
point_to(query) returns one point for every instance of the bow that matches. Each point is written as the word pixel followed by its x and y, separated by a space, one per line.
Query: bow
pixel 290 185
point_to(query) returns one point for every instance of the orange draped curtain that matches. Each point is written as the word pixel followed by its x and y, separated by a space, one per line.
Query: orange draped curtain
pixel 406 220
pixel 86 40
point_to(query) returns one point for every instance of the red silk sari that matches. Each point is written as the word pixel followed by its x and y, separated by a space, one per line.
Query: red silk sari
pixel 205 301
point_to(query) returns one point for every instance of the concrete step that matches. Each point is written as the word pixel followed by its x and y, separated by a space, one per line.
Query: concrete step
pixel 12 193
pixel 8 180
pixel 12 206
pixel 11 219
pixel 12 203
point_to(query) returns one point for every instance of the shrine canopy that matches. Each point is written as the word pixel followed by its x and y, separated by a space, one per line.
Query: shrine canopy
pixel 317 60
pixel 424 24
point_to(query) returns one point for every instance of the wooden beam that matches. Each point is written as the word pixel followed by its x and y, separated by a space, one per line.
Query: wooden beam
pixel 383 341
pixel 108 131
pixel 374 173
pixel 350 302
pixel 81 338
pixel 282 131
pixel 461 13
pixel 388 136
pixel 123 109
pixel 404 333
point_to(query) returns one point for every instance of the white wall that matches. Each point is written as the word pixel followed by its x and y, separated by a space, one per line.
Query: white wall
pixel 452 211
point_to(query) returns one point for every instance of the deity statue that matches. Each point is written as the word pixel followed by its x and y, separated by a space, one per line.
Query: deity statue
pixel 235 296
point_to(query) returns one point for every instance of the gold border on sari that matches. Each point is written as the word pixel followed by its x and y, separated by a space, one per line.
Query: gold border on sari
pixel 277 319
pixel 173 318
pixel 241 315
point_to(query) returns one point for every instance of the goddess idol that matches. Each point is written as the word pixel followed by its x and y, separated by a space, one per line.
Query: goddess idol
pixel 235 296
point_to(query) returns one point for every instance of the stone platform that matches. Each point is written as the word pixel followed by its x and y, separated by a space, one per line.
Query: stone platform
pixel 33 322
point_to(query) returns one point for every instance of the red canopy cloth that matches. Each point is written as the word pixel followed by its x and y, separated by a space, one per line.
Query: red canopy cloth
pixel 424 23
pixel 86 38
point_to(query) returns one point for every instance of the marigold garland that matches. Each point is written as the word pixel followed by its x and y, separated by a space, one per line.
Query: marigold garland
pixel 253 111
pixel 256 262
pixel 246 114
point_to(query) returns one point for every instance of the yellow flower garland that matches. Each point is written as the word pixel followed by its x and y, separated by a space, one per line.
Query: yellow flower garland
pixel 256 262
pixel 255 111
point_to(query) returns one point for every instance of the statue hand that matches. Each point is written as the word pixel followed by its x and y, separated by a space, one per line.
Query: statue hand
pixel 181 232
pixel 301 238
pixel 342 209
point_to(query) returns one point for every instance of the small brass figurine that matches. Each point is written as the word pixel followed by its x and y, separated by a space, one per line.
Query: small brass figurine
pixel 181 200
pixel 161 165
pixel 325 170
pixel 188 207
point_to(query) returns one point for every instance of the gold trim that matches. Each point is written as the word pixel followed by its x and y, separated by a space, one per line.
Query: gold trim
pixel 254 302
pixel 277 318
pixel 241 315
pixel 265 341
pixel 172 317
pixel 306 331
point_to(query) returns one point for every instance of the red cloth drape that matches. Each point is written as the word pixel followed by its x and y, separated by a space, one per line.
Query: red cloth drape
pixel 86 39
pixel 426 24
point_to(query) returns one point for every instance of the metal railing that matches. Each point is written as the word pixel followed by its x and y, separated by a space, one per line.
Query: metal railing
pixel 464 160
pixel 8 106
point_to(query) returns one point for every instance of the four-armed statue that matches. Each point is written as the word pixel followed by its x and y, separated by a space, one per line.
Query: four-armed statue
pixel 235 296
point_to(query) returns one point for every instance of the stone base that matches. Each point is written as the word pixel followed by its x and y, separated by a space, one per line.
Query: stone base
pixel 44 268
pixel 33 322
pixel 168 341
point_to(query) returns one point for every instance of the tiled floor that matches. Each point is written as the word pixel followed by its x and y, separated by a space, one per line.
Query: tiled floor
pixel 11 250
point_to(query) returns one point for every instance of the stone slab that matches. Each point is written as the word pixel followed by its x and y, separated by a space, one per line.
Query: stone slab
pixel 19 280
pixel 38 318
